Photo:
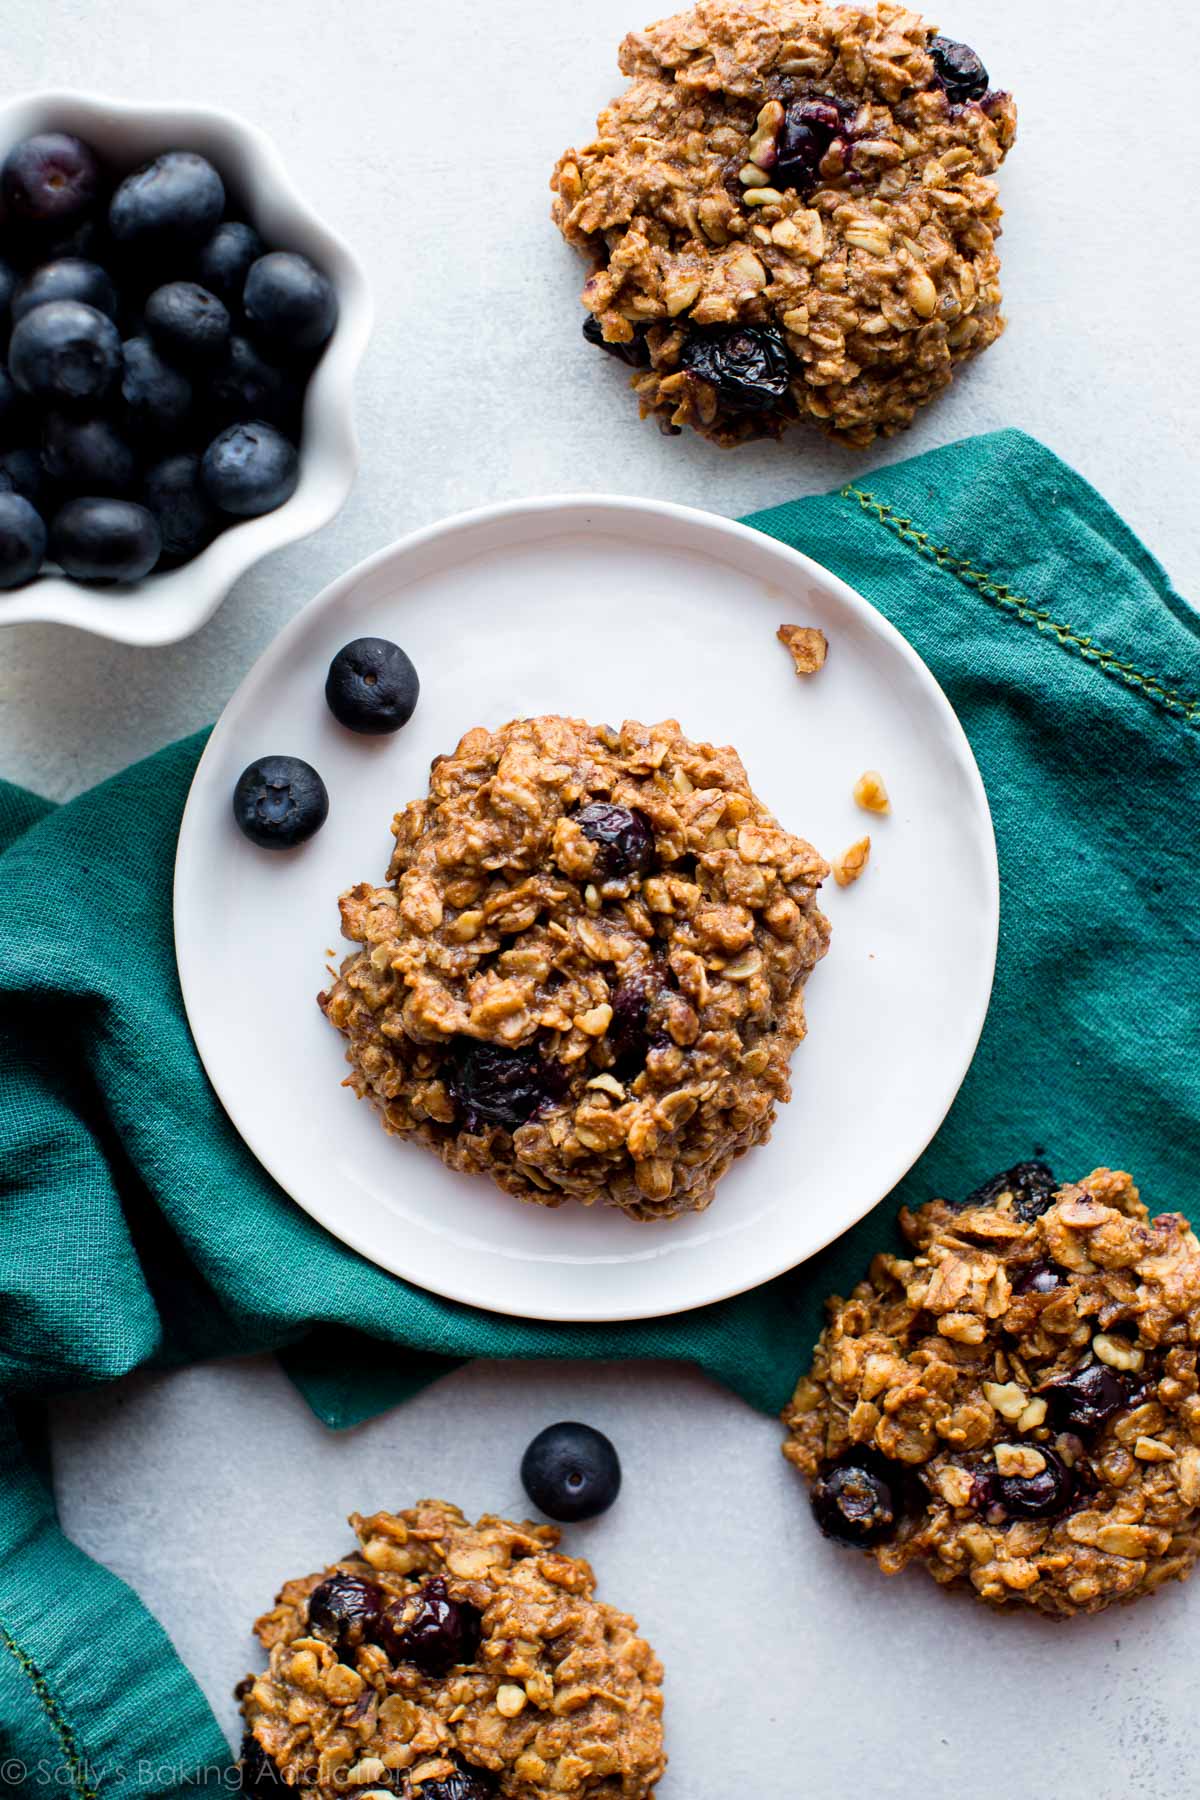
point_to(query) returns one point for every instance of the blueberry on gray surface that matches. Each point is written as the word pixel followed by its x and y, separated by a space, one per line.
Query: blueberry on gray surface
pixel 346 1611
pixel 959 70
pixel 372 686
pixel 68 278
pixel 223 262
pixel 1037 1496
pixel 22 541
pixel 98 539
pixel 21 472
pixel 88 456
pixel 747 364
pixel 571 1471
pixel 187 519
pixel 1031 1184
pixel 493 1084
pixel 624 837
pixel 432 1630
pixel 290 306
pixel 280 802
pixel 244 385
pixel 50 179
pixel 1082 1400
pixel 158 397
pixel 854 1502
pixel 66 353
pixel 189 325
pixel 804 140
pixel 173 203
pixel 250 469
pixel 636 352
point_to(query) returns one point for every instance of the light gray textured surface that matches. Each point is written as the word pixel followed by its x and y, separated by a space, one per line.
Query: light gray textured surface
pixel 426 135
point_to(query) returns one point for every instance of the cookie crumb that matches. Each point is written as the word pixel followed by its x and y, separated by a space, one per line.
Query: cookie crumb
pixel 850 864
pixel 809 647
pixel 870 792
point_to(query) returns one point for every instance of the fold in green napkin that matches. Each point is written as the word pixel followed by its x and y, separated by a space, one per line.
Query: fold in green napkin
pixel 134 1227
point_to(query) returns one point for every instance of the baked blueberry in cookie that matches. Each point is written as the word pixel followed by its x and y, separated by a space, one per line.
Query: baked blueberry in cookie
pixel 448 1661
pixel 1014 1403
pixel 790 216
pixel 584 975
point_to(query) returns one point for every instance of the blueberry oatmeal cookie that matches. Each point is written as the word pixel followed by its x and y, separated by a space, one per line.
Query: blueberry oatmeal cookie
pixel 442 1660
pixel 1014 1404
pixel 584 976
pixel 790 216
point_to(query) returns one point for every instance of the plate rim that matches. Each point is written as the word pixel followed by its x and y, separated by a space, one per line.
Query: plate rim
pixel 534 507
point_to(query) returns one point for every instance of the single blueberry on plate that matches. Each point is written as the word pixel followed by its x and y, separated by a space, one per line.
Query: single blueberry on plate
pixel 50 179
pixel 250 469
pixel 854 1501
pixel 279 802
pixel 1083 1399
pixel 1036 1496
pixel 372 686
pixel 69 278
pixel 346 1611
pixel 189 325
pixel 290 307
pixel 432 1630
pixel 571 1471
pixel 747 364
pixel 244 385
pixel 187 519
pixel 803 141
pixel 224 261
pixel 1032 1186
pixel 22 541
pixel 959 70
pixel 172 203
pixel 493 1084
pixel 623 836
pixel 87 456
pixel 636 352
pixel 65 352
pixel 99 539
pixel 158 397
pixel 260 1779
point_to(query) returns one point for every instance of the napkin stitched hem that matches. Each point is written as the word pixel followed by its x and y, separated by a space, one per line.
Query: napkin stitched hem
pixel 58 1720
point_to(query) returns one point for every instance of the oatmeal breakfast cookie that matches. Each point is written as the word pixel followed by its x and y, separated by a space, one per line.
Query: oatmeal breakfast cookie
pixel 585 975
pixel 790 216
pixel 1015 1404
pixel 448 1661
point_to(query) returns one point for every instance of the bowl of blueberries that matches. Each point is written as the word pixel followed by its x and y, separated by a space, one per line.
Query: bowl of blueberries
pixel 179 336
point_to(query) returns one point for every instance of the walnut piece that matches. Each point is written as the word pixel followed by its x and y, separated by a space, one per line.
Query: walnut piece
pixel 808 645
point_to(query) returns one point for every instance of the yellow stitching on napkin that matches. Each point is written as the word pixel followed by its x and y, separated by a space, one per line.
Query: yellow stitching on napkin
pixel 53 1711
pixel 1037 616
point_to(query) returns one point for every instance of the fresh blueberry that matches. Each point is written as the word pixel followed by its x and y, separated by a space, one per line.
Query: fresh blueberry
pixel 346 1610
pixel 50 179
pixel 69 278
pixel 260 1779
pixel 372 687
pixel 8 287
pixel 432 1630
pixel 158 398
pixel 12 405
pixel 189 325
pixel 223 263
pixel 854 1501
pixel 279 802
pixel 466 1783
pixel 1031 1185
pixel 571 1471
pixel 173 203
pixel 625 839
pixel 804 139
pixel 187 519
pixel 494 1085
pixel 87 456
pixel 747 364
pixel 1035 1496
pixel 290 307
pixel 636 352
pixel 22 541
pixel 1038 1278
pixel 21 472
pixel 959 70
pixel 1082 1400
pixel 99 539
pixel 250 469
pixel 244 385
pixel 65 352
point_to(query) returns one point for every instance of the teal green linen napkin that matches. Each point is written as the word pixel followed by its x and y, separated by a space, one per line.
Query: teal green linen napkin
pixel 134 1228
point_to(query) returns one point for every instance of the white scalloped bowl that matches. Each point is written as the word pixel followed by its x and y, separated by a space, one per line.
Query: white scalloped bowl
pixel 164 608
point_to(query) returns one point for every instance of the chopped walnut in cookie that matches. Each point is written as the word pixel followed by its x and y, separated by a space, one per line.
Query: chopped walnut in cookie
pixel 449 1661
pixel 1015 1404
pixel 808 646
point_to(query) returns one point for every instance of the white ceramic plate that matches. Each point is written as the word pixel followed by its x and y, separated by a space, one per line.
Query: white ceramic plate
pixel 606 609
